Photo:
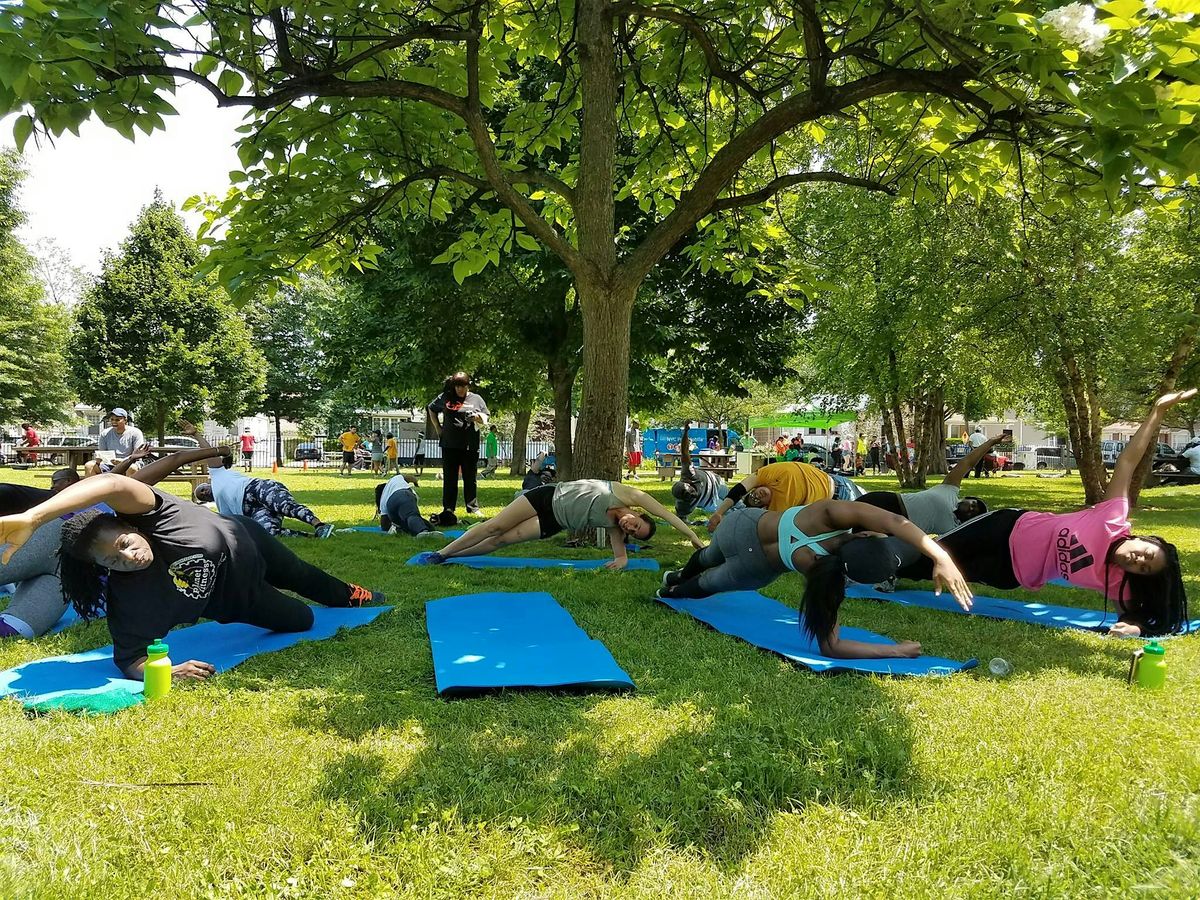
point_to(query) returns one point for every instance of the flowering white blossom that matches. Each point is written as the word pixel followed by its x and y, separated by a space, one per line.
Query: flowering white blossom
pixel 1076 23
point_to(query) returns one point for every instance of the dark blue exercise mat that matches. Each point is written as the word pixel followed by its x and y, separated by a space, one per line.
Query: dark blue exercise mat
pixel 771 625
pixel 69 618
pixel 93 672
pixel 483 642
pixel 523 562
pixel 997 608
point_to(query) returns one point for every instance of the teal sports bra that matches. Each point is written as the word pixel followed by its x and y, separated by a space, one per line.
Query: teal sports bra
pixel 791 538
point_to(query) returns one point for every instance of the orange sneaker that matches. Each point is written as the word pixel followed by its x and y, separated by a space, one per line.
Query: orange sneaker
pixel 360 596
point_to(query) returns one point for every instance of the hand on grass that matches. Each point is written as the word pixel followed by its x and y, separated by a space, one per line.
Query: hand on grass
pixel 946 576
pixel 14 531
pixel 193 670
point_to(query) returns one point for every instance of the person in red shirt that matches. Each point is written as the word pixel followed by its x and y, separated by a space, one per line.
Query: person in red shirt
pixel 247 440
pixel 31 439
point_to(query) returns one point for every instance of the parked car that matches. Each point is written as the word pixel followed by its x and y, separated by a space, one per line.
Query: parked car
pixel 1043 458
pixel 1168 459
pixel 308 451
pixel 62 440
pixel 1110 450
pixel 176 440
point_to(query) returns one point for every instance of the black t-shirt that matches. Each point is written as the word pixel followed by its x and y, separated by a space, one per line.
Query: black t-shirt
pixel 459 431
pixel 19 498
pixel 204 565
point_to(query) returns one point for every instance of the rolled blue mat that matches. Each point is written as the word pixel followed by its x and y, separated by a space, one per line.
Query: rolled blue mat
pixel 771 625
pixel 522 562
pixel 93 672
pixel 484 642
pixel 997 608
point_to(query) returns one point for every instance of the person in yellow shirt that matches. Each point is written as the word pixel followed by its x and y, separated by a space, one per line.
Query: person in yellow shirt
pixel 782 485
pixel 350 440
pixel 393 454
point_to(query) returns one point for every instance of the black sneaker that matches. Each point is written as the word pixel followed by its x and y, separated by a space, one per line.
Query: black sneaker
pixel 670 579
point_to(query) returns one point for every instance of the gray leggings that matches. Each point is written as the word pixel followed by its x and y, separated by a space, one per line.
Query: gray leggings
pixel 38 603
pixel 734 561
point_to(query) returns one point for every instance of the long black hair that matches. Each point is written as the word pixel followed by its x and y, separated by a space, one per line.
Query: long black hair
pixel 824 591
pixel 1155 603
pixel 448 392
pixel 83 582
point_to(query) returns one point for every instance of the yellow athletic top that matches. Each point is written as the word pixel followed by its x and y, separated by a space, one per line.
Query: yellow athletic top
pixel 392 450
pixel 349 440
pixel 794 484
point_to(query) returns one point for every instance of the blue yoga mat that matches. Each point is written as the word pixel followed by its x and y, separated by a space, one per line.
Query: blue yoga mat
pixel 94 671
pixel 374 529
pixel 69 618
pixel 483 642
pixel 522 562
pixel 771 625
pixel 996 608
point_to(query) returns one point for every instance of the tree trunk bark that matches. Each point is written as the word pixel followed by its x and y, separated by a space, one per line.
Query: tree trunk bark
pixel 562 385
pixel 278 442
pixel 520 439
pixel 604 403
pixel 160 420
pixel 1083 424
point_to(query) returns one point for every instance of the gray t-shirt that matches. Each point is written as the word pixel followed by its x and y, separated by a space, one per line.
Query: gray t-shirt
pixel 1192 455
pixel 122 444
pixel 932 510
pixel 583 504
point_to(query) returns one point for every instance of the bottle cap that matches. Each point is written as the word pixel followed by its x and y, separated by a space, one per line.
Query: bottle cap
pixel 1154 648
pixel 157 647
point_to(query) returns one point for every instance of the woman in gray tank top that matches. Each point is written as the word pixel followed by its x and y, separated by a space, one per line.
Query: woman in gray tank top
pixel 572 505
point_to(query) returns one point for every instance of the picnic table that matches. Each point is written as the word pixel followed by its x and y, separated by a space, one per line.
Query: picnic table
pixel 77 456
pixel 713 460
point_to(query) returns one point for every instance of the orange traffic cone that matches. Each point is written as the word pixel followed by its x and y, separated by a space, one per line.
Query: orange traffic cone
pixel 275 467
pixel 306 465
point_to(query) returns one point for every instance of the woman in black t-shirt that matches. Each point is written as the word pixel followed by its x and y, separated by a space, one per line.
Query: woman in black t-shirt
pixel 462 413
pixel 161 562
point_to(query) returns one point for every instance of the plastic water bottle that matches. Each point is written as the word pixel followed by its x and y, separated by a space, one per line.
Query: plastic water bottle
pixel 1149 666
pixel 157 671
pixel 1000 668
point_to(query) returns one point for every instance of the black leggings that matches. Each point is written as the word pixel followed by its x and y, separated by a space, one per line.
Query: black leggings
pixel 270 607
pixel 452 459
pixel 979 547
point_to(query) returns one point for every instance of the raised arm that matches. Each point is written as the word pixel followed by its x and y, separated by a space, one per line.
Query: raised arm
pixel 634 497
pixel 1131 456
pixel 736 493
pixel 123 494
pixel 968 462
pixel 845 514
pixel 156 471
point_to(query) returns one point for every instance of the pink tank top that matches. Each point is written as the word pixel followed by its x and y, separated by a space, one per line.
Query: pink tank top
pixel 1070 546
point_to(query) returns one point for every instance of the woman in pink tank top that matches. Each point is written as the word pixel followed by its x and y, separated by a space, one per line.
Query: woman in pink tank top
pixel 1092 548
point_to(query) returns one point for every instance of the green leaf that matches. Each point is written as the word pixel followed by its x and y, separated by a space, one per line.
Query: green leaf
pixel 22 129
pixel 462 269
pixel 230 82
pixel 527 242
pixel 205 65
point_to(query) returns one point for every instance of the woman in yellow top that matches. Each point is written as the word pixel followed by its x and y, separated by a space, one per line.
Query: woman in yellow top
pixel 782 485
pixel 393 455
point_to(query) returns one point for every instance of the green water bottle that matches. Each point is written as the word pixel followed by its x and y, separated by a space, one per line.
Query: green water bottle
pixel 1149 667
pixel 157 671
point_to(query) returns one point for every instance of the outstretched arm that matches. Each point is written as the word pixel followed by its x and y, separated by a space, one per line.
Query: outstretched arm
pixel 122 466
pixel 1131 456
pixel 123 494
pixel 967 463
pixel 846 514
pixel 616 540
pixel 736 493
pixel 634 497
pixel 837 648
pixel 156 471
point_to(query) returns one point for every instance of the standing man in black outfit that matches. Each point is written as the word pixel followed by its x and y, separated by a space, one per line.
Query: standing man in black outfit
pixel 462 414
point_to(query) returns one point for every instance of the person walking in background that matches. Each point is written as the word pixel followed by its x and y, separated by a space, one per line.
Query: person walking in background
pixel 392 453
pixel 491 451
pixel 873 454
pixel 350 442
pixel 247 441
pixel 419 456
pixel 377 455
pixel 633 449
pixel 835 455
pixel 978 439
pixel 462 413
pixel 29 439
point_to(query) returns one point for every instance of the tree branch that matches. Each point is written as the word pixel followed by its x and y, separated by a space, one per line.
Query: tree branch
pixel 785 181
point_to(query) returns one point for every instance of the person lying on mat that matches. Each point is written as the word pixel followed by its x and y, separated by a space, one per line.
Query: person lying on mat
pixel 573 506
pixel 266 501
pixel 1093 548
pixel 697 487
pixel 157 561
pixel 38 603
pixel 753 547
pixel 782 485
pixel 938 509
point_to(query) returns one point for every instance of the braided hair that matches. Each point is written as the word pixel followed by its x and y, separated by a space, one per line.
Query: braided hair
pixel 1157 603
pixel 83 582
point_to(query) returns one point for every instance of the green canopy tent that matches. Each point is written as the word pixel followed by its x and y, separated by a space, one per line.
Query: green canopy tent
pixel 806 419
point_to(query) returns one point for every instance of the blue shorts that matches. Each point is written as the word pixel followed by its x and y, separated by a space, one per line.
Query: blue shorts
pixel 845 489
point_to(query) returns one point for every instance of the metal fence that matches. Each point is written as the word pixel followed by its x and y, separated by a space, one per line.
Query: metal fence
pixel 325 452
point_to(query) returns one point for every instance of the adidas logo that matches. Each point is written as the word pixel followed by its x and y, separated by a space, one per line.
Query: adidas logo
pixel 1072 555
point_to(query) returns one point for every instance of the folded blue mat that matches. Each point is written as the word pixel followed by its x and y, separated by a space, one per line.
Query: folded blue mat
pixel 996 608
pixel 94 672
pixel 771 625
pixel 522 562
pixel 482 642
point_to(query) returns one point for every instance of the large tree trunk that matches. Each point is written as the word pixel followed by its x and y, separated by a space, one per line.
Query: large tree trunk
pixel 1179 358
pixel 605 399
pixel 520 439
pixel 904 469
pixel 1082 406
pixel 562 385
pixel 160 422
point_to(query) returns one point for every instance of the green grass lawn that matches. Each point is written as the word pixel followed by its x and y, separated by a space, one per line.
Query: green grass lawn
pixel 333 770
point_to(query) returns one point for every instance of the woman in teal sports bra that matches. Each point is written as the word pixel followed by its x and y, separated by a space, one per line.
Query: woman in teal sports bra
pixel 753 547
